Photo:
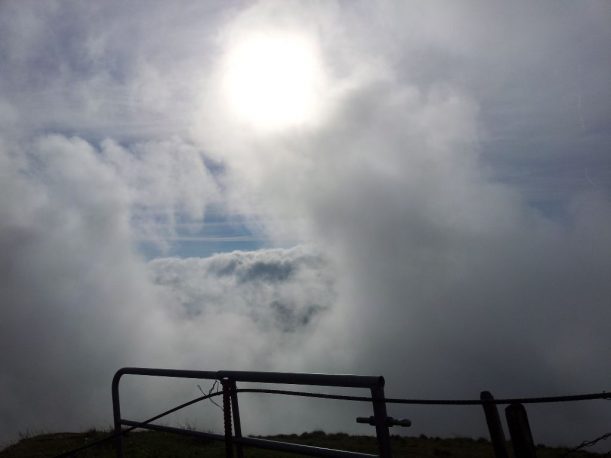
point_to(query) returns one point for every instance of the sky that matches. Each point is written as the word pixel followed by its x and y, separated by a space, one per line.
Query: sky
pixel 419 190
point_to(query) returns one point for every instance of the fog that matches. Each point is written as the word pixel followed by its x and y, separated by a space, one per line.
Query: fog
pixel 440 217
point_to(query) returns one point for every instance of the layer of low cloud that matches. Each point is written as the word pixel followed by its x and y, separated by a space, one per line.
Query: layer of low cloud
pixel 454 209
pixel 276 289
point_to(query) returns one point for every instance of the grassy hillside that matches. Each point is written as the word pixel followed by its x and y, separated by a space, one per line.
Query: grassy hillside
pixel 156 444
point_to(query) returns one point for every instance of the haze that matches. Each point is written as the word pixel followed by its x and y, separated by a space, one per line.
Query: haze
pixel 419 190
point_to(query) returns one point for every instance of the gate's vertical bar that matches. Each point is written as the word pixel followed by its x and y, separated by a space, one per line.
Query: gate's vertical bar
pixel 380 418
pixel 116 414
pixel 497 437
pixel 227 417
pixel 236 416
pixel 519 430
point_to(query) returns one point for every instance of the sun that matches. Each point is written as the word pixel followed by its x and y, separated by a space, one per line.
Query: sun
pixel 273 81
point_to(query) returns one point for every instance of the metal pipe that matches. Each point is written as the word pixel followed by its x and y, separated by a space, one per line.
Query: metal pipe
pixel 348 381
pixel 116 413
pixel 179 373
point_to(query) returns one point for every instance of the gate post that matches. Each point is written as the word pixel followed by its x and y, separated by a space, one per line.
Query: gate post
pixel 236 416
pixel 380 419
pixel 227 417
pixel 116 414
pixel 497 437
pixel 519 430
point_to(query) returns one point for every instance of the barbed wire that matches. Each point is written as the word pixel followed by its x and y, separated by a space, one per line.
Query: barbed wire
pixel 589 443
pixel 214 385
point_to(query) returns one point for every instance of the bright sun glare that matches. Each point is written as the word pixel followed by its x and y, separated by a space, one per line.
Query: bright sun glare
pixel 273 81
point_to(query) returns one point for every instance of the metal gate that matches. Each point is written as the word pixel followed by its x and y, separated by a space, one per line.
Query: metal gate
pixel 234 441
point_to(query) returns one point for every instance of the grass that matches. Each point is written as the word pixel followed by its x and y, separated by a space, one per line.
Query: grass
pixel 159 444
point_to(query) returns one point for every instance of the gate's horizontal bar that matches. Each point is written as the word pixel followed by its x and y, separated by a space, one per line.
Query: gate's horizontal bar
pixel 184 432
pixel 352 381
pixel 181 373
pixel 256 442
pixel 298 448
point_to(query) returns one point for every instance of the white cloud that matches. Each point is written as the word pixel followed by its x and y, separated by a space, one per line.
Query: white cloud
pixel 68 272
pixel 79 302
pixel 449 281
pixel 280 291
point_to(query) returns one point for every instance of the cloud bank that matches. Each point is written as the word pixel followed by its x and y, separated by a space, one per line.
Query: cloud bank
pixel 451 209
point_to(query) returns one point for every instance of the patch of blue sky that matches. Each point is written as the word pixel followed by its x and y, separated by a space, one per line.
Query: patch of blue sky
pixel 202 248
pixel 219 232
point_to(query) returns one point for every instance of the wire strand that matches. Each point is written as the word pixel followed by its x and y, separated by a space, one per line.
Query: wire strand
pixel 142 423
pixel 463 402
pixel 210 395
pixel 589 443
pixel 210 392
